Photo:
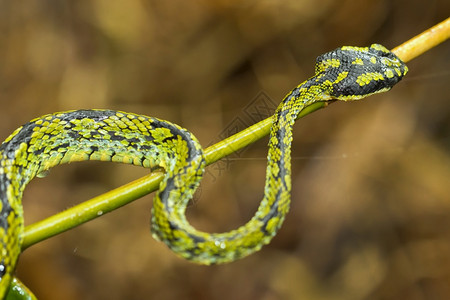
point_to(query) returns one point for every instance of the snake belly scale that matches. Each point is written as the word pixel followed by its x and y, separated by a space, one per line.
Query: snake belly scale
pixel 347 73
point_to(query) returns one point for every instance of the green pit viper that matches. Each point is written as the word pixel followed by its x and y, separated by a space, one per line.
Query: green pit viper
pixel 347 73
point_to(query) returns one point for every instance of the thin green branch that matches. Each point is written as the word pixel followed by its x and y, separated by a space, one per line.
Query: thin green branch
pixel 125 194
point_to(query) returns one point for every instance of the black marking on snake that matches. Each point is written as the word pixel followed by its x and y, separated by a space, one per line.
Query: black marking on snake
pixel 97 115
pixel 73 135
pixel 23 136
pixel 115 137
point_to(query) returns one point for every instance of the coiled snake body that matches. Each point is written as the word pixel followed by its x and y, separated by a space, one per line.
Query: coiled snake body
pixel 347 73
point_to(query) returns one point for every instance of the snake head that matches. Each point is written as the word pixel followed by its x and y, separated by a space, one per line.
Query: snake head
pixel 356 72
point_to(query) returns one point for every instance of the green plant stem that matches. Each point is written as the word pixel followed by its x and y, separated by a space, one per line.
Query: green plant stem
pixel 423 42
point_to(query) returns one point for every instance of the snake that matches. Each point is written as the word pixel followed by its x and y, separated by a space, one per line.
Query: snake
pixel 346 73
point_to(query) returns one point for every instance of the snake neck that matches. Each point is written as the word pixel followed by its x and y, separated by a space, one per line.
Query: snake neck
pixel 278 173
pixel 305 94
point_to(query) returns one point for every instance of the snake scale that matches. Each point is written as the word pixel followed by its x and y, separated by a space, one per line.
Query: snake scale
pixel 346 73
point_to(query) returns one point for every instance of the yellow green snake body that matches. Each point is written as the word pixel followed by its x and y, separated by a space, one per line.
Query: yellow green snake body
pixel 347 73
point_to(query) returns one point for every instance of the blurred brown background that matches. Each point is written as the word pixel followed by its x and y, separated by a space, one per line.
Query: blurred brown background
pixel 370 210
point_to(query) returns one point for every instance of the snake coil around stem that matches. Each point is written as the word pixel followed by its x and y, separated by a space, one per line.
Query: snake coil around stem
pixel 347 73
